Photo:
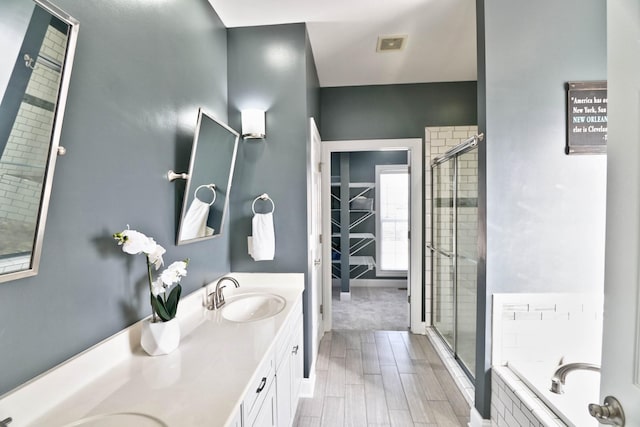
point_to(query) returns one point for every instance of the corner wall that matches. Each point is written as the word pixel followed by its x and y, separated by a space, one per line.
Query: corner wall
pixel 270 68
pixel 542 213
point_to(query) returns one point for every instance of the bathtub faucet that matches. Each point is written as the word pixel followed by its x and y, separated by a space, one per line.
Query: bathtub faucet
pixel 560 375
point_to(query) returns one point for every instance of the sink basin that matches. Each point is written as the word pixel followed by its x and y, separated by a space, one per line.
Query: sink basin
pixel 252 306
pixel 121 419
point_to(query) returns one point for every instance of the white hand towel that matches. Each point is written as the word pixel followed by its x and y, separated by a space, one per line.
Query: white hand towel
pixel 262 245
pixel 194 224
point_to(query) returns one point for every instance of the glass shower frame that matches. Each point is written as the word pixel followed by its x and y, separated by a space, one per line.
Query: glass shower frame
pixel 454 250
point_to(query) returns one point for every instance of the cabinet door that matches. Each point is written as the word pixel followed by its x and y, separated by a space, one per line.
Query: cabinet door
pixel 283 391
pixel 297 364
pixel 267 416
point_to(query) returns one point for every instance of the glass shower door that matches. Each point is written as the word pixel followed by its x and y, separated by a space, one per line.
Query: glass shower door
pixel 454 250
pixel 466 256
pixel 442 242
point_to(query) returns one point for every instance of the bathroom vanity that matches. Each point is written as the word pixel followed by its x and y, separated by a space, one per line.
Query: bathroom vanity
pixel 245 372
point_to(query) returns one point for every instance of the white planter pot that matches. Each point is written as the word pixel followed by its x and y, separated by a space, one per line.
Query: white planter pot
pixel 160 338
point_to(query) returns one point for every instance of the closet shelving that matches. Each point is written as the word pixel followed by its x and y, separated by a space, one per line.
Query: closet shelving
pixel 358 264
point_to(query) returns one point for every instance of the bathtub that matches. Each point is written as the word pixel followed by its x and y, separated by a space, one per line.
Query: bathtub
pixel 580 389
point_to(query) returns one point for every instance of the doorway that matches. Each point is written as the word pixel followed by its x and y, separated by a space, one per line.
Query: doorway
pixel 413 150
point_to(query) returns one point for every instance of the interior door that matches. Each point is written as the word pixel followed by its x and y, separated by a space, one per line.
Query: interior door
pixel 314 240
pixel 621 349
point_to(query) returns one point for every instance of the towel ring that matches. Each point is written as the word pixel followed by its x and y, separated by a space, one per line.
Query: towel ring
pixel 211 187
pixel 263 196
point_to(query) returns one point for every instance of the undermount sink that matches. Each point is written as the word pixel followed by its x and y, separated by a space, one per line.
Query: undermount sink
pixel 252 306
pixel 121 419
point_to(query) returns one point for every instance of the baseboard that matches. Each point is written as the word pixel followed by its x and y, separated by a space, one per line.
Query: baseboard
pixel 378 283
pixel 308 385
pixel 476 420
pixel 372 283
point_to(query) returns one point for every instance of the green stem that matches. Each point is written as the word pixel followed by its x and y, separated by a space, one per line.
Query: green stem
pixel 153 312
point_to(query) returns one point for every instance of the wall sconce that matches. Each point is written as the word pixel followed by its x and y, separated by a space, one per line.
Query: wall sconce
pixel 253 124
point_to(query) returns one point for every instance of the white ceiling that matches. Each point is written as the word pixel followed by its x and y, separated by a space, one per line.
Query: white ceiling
pixel 441 46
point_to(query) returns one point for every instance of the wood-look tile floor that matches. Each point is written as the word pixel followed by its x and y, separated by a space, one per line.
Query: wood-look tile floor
pixel 381 378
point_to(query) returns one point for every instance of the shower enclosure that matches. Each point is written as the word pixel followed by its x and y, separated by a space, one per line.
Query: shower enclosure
pixel 454 260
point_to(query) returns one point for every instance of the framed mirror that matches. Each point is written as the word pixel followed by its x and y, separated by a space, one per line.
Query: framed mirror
pixel 37 41
pixel 206 199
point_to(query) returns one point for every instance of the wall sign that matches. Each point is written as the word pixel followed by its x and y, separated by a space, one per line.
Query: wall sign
pixel 586 117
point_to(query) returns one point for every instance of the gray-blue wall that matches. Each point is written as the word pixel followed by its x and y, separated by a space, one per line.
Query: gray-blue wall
pixel 270 67
pixel 138 80
pixel 395 111
pixel 542 213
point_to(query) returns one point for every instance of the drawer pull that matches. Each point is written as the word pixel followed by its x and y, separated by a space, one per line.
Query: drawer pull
pixel 295 350
pixel 263 383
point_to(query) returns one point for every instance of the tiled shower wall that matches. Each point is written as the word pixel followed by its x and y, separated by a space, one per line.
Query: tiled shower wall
pixel 438 140
pixel 24 159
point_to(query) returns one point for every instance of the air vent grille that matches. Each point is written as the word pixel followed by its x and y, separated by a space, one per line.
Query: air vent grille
pixel 391 43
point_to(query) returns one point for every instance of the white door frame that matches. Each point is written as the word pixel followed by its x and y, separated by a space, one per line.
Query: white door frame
pixel 414 148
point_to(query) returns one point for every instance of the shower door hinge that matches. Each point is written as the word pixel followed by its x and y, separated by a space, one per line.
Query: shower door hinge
pixel 409 234
pixel 321 309
pixel 320 238
pixel 319 166
pixel 409 299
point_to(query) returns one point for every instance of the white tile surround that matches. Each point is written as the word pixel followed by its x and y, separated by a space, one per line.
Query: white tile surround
pixel 536 328
pixel 546 327
pixel 513 404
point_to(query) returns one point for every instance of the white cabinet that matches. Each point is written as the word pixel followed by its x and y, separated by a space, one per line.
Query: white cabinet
pixel 289 372
pixel 273 395
pixel 237 420
pixel 266 415
pixel 259 389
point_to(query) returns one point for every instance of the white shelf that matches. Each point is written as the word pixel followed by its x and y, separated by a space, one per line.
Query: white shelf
pixel 356 184
pixel 359 260
pixel 357 235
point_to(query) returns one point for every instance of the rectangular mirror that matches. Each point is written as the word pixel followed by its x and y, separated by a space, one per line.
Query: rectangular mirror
pixel 37 41
pixel 206 199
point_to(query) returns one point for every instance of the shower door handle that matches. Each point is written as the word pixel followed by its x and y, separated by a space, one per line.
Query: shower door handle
pixel 432 249
pixel 610 413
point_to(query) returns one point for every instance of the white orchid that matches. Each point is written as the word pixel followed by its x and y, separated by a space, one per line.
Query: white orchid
pixel 174 273
pixel 158 287
pixel 155 256
pixel 163 306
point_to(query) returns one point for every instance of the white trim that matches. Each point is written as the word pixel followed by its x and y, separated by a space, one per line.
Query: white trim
pixel 308 385
pixel 388 169
pixel 414 147
pixel 476 420
pixel 460 378
pixel 316 295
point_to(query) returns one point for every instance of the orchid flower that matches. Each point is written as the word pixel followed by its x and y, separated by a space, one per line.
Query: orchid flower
pixel 164 304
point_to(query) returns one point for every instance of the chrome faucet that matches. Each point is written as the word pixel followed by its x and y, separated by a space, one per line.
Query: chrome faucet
pixel 561 372
pixel 215 300
pixel 5 422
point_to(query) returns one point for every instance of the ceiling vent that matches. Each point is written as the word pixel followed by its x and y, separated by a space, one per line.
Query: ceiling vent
pixel 391 43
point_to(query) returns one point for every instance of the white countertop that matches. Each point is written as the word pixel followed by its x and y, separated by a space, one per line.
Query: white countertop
pixel 201 383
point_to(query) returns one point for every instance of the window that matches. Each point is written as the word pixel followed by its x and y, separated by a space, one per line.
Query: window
pixel 392 220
